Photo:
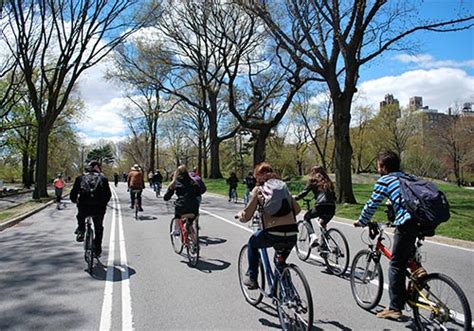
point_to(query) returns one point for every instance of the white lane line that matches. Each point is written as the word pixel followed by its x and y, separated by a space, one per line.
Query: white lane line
pixel 106 315
pixel 127 317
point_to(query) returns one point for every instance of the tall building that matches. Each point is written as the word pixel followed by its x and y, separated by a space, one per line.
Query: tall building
pixel 416 103
pixel 389 101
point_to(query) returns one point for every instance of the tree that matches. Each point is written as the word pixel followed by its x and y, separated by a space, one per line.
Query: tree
pixel 54 42
pixel 334 39
pixel 103 154
pixel 142 66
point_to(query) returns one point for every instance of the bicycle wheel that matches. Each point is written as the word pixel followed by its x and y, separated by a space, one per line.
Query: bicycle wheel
pixel 89 250
pixel 176 240
pixel 136 211
pixel 294 300
pixel 251 296
pixel 303 248
pixel 441 304
pixel 192 249
pixel 337 252
pixel 366 280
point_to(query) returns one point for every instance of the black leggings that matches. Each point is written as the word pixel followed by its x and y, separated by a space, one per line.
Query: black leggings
pixel 325 212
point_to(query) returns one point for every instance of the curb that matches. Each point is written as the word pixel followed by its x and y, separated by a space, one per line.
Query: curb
pixel 20 218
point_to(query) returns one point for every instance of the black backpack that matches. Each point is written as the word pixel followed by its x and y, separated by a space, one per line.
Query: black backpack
pixel 91 185
pixel 425 202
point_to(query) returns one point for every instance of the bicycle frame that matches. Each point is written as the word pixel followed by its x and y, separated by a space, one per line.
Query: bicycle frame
pixel 184 232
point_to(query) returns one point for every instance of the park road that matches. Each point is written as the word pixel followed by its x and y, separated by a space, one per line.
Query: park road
pixel 142 284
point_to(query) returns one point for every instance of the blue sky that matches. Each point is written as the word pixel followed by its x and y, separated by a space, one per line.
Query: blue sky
pixel 441 71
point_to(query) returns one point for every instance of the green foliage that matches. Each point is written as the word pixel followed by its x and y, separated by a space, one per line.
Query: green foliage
pixel 103 154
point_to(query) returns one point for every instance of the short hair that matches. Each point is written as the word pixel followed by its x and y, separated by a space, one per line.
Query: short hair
pixel 390 160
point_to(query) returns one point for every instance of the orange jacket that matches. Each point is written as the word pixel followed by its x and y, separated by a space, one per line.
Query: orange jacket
pixel 135 180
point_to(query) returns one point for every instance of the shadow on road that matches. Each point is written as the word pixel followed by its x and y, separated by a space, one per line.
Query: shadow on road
pixel 210 265
pixel 146 218
pixel 100 272
pixel 205 240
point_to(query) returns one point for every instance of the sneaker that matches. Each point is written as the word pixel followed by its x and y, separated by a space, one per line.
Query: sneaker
pixel 390 314
pixel 313 240
pixel 174 233
pixel 79 236
pixel 250 283
pixel 140 209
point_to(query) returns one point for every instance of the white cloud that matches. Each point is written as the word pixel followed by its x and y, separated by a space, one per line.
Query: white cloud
pixel 427 61
pixel 440 88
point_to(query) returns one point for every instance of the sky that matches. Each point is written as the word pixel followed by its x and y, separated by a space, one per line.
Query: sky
pixel 440 69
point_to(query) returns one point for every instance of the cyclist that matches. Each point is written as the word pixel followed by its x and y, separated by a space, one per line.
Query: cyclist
pixel 388 186
pixel 250 183
pixel 58 189
pixel 275 229
pixel 233 181
pixel 88 204
pixel 188 193
pixel 322 188
pixel 157 180
pixel 136 184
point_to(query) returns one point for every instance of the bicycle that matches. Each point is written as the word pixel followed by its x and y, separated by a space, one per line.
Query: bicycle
pixel 287 285
pixel 188 237
pixel 436 300
pixel 233 195
pixel 89 245
pixel 136 205
pixel 333 246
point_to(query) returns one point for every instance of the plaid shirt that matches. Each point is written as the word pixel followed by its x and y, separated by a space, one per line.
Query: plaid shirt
pixel 387 186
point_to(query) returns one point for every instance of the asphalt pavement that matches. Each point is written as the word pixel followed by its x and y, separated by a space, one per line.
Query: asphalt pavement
pixel 140 283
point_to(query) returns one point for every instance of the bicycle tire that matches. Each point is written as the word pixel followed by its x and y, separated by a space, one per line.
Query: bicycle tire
pixel 303 248
pixel 366 280
pixel 136 211
pixel 89 253
pixel 192 248
pixel 294 300
pixel 452 308
pixel 254 297
pixel 176 240
pixel 337 260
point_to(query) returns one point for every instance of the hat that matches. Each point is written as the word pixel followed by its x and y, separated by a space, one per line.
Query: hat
pixel 136 167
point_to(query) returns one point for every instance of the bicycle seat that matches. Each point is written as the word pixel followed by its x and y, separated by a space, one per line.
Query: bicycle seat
pixel 283 246
pixel 189 216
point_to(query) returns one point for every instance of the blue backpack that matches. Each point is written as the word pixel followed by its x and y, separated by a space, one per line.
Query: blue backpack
pixel 425 203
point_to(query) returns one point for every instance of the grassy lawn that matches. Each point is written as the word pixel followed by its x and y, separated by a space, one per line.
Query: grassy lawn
pixel 460 225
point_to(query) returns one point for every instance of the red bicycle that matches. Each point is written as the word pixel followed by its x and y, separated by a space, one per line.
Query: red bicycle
pixel 187 235
pixel 437 301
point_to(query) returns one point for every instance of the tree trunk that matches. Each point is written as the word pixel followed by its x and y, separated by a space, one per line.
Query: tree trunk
pixel 259 147
pixel 214 145
pixel 199 161
pixel 152 150
pixel 41 190
pixel 343 148
pixel 24 169
pixel 31 171
pixel 205 172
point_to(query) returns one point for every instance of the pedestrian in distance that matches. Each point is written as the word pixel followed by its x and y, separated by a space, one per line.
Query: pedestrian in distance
pixel 233 182
pixel 116 179
pixel 250 183
pixel 91 193
pixel 58 189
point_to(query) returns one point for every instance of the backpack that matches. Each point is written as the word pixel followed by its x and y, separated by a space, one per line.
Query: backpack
pixel 90 184
pixel 202 186
pixel 277 198
pixel 424 202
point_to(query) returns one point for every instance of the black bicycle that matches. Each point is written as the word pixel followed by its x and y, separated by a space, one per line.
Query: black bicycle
pixel 89 244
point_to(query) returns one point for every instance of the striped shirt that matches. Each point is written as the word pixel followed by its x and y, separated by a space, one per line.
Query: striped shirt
pixel 387 187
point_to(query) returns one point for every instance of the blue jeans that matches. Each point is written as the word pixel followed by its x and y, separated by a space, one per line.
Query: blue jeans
pixel 263 239
pixel 403 247
pixel 246 196
pixel 135 193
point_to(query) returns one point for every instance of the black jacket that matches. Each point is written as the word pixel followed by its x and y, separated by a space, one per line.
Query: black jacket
pixel 188 192
pixel 321 197
pixel 96 204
